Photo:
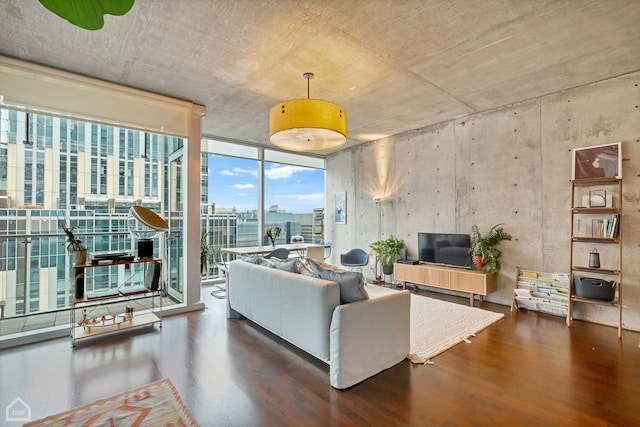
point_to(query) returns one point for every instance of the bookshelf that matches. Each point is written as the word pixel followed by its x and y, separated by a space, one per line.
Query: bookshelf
pixel 596 224
pixel 89 315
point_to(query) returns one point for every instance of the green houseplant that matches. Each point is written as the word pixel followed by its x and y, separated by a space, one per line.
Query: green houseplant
pixel 273 233
pixel 387 251
pixel 74 245
pixel 484 253
pixel 205 251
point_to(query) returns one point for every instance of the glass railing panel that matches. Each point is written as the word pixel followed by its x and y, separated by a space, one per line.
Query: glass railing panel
pixel 36 271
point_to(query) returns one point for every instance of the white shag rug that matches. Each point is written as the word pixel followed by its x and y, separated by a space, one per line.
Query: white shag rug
pixel 438 325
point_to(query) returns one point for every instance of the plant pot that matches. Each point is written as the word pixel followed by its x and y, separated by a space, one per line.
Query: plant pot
pixel 477 260
pixel 387 269
pixel 80 257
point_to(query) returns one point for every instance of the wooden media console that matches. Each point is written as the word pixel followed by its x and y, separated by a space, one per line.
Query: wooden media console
pixel 454 279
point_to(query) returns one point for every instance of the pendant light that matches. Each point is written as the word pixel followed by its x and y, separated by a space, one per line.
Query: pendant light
pixel 307 124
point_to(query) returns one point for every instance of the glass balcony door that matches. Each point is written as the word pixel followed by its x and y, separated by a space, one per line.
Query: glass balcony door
pixel 175 240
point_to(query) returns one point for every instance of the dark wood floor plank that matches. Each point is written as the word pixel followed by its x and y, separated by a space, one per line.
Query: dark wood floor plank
pixel 527 369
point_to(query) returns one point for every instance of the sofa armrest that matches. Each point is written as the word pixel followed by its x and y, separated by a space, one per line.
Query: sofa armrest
pixel 368 336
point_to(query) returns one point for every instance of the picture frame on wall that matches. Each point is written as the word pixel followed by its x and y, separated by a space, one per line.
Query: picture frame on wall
pixel 341 208
pixel 599 161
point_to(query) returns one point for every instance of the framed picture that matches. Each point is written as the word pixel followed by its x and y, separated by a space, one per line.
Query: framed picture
pixel 341 208
pixel 599 161
pixel 597 199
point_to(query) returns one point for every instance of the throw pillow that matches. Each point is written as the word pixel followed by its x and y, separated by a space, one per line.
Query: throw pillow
pixel 351 282
pixel 251 259
pixel 314 263
pixel 258 260
pixel 285 264
pixel 265 262
pixel 304 268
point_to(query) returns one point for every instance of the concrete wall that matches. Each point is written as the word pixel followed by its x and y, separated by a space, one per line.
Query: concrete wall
pixel 512 166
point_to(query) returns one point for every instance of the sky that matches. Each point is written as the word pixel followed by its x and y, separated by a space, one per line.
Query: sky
pixel 233 182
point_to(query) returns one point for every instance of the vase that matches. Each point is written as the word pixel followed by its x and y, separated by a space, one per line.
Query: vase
pixel 80 256
pixel 387 269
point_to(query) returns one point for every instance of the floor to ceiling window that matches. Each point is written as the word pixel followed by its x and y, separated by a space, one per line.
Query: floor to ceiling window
pixel 82 150
pixel 232 200
pixel 293 200
pixel 56 171
pixel 246 189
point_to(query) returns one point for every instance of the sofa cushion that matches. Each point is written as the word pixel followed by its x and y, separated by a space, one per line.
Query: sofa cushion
pixel 258 260
pixel 285 264
pixel 351 282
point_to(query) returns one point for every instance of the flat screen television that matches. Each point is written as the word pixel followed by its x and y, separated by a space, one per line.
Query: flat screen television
pixel 445 249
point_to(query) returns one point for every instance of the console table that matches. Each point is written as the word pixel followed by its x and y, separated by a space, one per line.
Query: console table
pixel 311 250
pixel 455 279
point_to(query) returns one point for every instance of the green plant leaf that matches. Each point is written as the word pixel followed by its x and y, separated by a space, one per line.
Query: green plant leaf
pixel 387 251
pixel 87 14
pixel 484 247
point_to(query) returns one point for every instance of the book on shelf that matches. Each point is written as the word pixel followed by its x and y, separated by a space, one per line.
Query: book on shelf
pixel 152 278
pixel 526 284
pixel 523 293
pixel 564 299
pixel 561 277
pixel 599 227
pixel 613 232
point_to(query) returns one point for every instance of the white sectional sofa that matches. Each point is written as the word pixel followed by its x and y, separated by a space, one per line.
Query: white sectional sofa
pixel 357 340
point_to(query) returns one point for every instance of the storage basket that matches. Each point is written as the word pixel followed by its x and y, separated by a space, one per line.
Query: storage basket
pixel 588 287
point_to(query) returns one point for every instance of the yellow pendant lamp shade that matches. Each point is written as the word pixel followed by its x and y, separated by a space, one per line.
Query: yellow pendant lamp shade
pixel 307 124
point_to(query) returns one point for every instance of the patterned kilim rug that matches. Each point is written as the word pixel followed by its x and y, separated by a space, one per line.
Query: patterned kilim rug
pixel 155 404
pixel 438 325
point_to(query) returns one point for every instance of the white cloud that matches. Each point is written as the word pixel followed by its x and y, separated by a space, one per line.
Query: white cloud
pixel 284 171
pixel 301 197
pixel 243 186
pixel 241 171
pixel 238 171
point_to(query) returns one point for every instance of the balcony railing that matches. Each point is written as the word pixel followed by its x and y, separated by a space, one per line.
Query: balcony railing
pixel 36 270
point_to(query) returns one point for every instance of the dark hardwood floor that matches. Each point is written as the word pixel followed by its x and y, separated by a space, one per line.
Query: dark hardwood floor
pixel 527 369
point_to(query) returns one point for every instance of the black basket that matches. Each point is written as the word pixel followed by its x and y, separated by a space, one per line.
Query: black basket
pixel 588 287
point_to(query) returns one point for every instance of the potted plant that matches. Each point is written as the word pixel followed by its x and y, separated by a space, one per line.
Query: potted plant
pixel 74 245
pixel 387 252
pixel 484 253
pixel 205 251
pixel 272 234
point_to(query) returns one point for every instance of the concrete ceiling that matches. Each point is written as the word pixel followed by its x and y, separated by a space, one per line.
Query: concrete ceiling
pixel 392 65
